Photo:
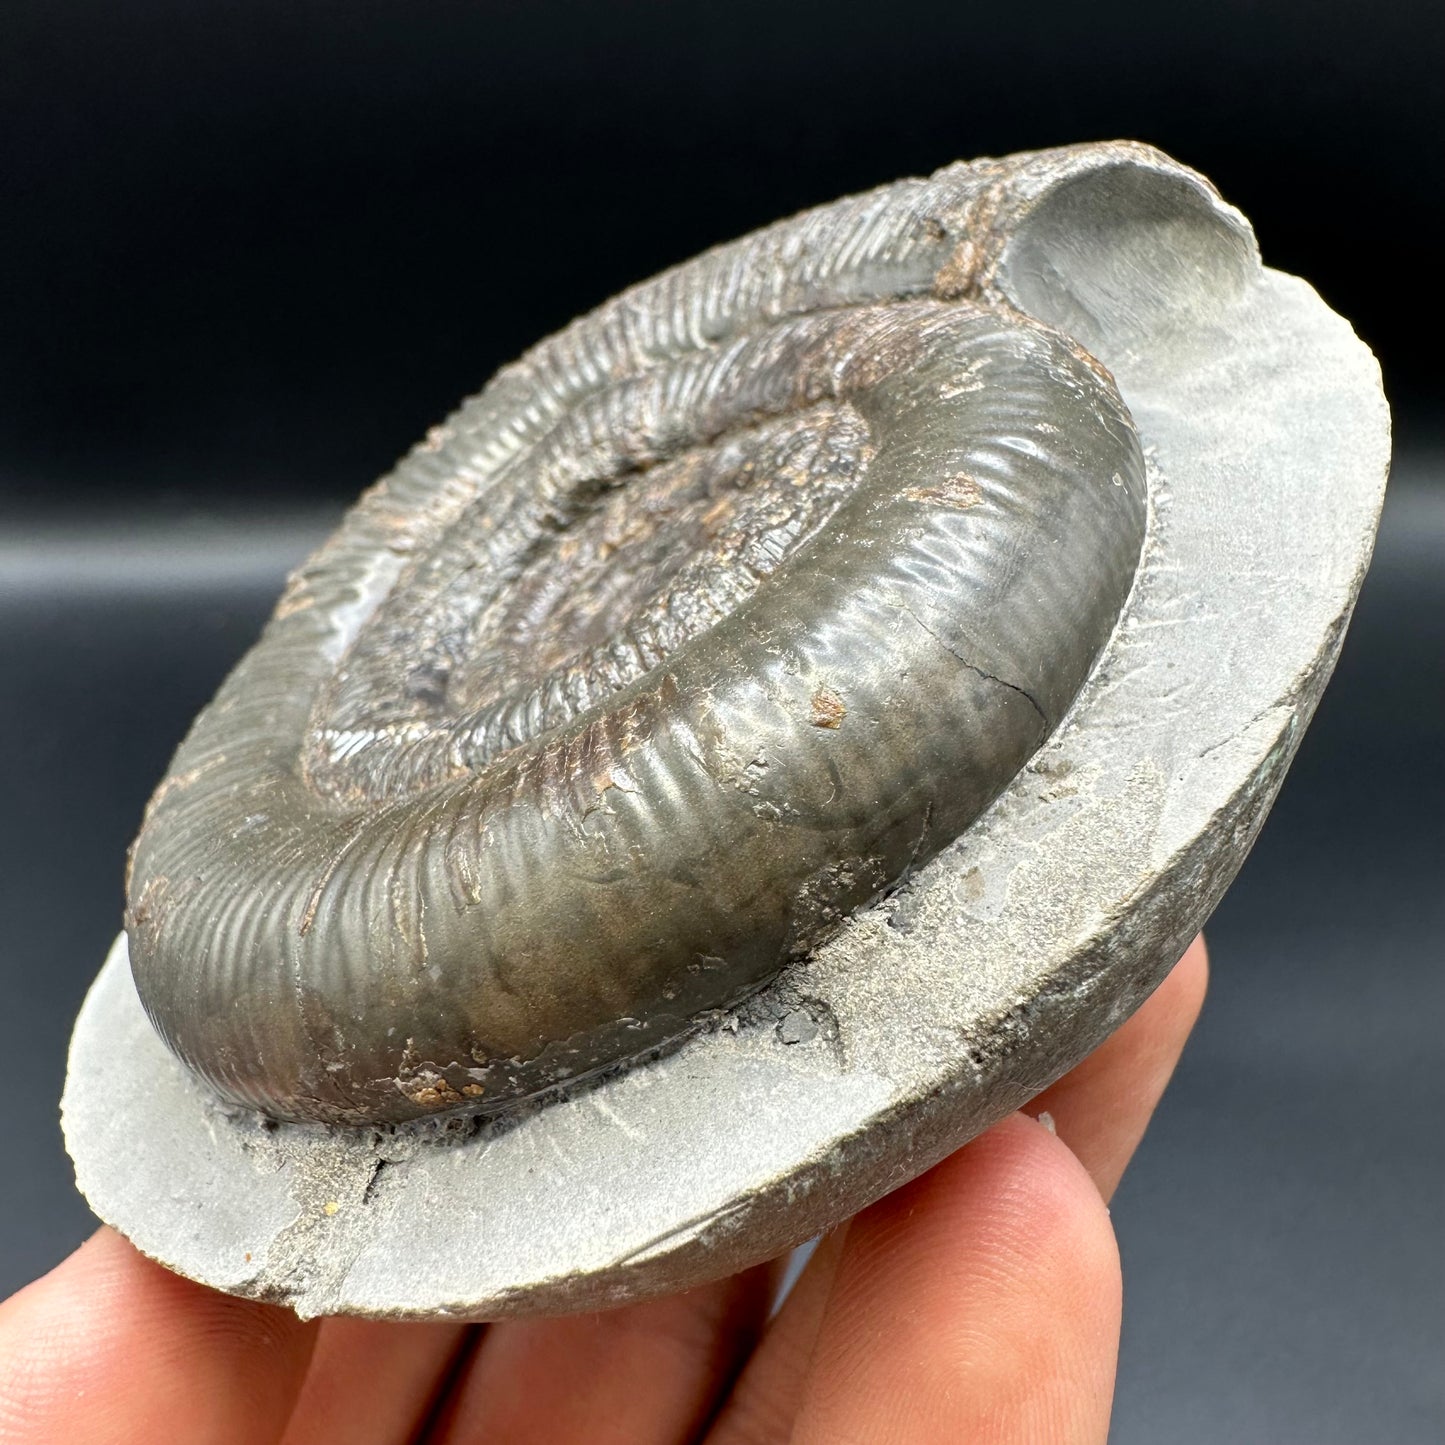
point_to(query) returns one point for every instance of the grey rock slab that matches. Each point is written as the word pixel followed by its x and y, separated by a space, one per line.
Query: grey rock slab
pixel 990 972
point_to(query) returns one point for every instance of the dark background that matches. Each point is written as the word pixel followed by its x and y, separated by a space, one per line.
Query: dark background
pixel 250 249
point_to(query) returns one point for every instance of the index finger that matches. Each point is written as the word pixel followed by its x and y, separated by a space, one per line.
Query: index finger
pixel 110 1346
pixel 1101 1108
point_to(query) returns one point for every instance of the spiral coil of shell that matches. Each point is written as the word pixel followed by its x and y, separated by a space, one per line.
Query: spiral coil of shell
pixel 698 628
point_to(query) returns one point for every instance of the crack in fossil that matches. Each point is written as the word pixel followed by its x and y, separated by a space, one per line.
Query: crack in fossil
pixel 978 671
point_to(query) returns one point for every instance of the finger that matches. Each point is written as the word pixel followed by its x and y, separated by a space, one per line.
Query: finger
pixel 109 1346
pixel 979 1303
pixel 765 1399
pixel 647 1373
pixel 372 1383
pixel 1101 1108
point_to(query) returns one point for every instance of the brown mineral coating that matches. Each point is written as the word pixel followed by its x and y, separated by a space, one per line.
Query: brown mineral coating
pixel 529 770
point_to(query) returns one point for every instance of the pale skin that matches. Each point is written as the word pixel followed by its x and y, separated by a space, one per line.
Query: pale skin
pixel 979 1303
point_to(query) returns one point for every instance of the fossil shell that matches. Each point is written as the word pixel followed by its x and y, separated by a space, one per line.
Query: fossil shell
pixel 985 974
pixel 697 628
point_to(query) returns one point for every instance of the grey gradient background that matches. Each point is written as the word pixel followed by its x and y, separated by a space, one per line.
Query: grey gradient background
pixel 250 251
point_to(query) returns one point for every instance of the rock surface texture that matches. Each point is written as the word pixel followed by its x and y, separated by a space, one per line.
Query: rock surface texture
pixel 904 616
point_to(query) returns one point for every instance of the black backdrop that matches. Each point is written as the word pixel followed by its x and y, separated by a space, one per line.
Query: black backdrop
pixel 255 246
pixel 249 249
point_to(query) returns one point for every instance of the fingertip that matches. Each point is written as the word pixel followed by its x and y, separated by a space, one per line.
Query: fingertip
pixel 1187 984
pixel 1102 1107
pixel 980 1302
pixel 1018 1206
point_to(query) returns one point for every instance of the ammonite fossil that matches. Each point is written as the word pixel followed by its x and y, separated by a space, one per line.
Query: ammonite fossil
pixel 833 678
pixel 696 629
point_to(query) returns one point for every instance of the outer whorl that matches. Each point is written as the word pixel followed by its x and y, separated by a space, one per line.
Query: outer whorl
pixel 697 628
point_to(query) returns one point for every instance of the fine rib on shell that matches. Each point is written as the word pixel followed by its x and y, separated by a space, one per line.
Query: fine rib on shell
pixel 698 627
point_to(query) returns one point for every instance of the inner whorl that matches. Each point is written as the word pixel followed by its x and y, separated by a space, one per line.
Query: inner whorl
pixel 625 689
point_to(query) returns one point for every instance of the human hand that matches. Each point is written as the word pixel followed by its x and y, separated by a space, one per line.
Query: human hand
pixel 979 1303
